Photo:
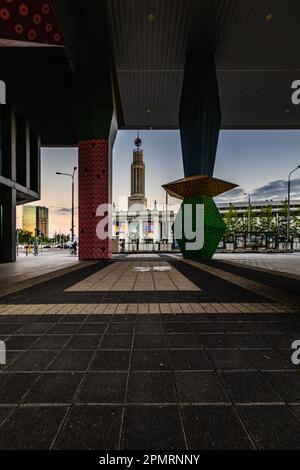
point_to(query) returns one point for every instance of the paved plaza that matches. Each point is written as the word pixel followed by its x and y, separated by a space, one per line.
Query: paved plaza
pixel 286 263
pixel 150 353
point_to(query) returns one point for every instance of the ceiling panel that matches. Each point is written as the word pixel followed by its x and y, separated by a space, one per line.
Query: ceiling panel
pixel 257 50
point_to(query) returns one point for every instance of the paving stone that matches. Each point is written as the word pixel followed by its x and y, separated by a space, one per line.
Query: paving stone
pixel 296 409
pixel 214 341
pixel 177 327
pixel 103 387
pixel 279 341
pixel 24 319
pixel 64 329
pixel 150 327
pixel 183 341
pixel 14 385
pixel 267 359
pixel 54 388
pixel 31 361
pixel 286 384
pixel 9 329
pixel 189 359
pixel 99 318
pixel 20 343
pixel 151 387
pixel 286 354
pixel 4 412
pixel 248 387
pixel 120 328
pixel 92 329
pixel 150 360
pixel 50 342
pixel 205 327
pixel 35 329
pixel 84 342
pixel 229 360
pixel 91 428
pixel 116 342
pixel 31 428
pixel 10 357
pixel 214 428
pixel 69 318
pixel 71 361
pixel 271 427
pixel 248 341
pixel 110 361
pixel 199 387
pixel 131 318
pixel 152 427
pixel 150 341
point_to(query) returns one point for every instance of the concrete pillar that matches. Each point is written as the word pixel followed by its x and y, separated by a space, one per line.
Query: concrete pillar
pixel 96 130
pixel 200 115
pixel 8 225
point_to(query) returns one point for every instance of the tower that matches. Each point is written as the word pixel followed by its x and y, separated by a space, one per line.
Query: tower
pixel 137 200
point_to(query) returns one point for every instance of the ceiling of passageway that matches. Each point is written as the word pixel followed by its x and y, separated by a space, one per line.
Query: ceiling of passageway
pixel 257 46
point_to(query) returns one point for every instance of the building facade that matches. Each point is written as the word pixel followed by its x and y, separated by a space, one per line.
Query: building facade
pixel 257 206
pixel 36 218
pixel 142 229
pixel 19 172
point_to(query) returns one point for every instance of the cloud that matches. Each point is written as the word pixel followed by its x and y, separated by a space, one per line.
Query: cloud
pixel 63 211
pixel 233 195
pixel 277 189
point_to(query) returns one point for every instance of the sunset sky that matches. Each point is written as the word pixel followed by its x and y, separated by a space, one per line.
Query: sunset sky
pixel 259 161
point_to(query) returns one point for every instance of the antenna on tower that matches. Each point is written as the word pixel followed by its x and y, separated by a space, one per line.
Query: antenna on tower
pixel 138 142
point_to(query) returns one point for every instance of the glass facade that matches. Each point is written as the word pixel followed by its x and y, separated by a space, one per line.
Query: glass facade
pixel 36 217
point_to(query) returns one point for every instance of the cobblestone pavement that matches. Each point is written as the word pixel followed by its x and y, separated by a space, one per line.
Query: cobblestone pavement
pixel 206 368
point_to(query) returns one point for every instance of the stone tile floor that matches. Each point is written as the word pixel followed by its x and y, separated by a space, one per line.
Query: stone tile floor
pixel 204 369
pixel 185 381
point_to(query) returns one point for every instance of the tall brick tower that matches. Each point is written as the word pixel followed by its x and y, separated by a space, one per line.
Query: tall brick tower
pixel 137 200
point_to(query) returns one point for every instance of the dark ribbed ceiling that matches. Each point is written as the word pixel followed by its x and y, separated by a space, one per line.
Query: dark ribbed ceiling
pixel 257 50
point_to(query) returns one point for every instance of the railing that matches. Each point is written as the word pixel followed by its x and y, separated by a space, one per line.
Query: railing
pixel 258 242
pixel 135 247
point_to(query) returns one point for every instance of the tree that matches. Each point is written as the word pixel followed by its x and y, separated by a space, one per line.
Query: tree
pixel 250 214
pixel 232 221
pixel 282 218
pixel 295 223
pixel 267 223
pixel 25 237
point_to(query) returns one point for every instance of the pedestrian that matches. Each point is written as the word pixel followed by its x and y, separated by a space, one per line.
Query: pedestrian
pixel 74 250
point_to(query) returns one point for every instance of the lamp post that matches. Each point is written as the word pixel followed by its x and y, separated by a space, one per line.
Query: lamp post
pixel 288 205
pixel 73 186
pixel 249 207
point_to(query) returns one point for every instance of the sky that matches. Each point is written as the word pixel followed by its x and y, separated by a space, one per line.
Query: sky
pixel 258 161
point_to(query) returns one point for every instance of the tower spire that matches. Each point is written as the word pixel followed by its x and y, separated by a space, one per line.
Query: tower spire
pixel 137 197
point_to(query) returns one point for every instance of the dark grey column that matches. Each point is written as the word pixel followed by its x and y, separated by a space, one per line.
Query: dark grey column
pixel 200 115
pixel 9 225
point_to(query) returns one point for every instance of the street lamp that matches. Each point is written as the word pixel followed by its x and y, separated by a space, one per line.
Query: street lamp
pixel 71 176
pixel 289 203
pixel 249 207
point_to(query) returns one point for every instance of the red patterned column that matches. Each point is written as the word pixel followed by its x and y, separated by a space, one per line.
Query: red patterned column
pixel 94 190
